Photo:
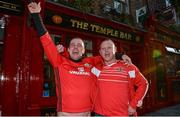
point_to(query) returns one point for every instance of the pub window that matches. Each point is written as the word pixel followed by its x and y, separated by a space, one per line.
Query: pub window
pixel 2 33
pixel 2 26
pixel 121 6
pixel 168 3
pixel 172 61
pixel 161 91
pixel 170 64
pixel 88 44
pixel 49 77
pixel 89 48
pixel 177 65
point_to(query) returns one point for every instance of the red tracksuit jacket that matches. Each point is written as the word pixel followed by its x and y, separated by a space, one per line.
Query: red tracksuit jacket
pixel 75 80
pixel 116 89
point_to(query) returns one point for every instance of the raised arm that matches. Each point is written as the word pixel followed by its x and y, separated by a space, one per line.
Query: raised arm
pixel 48 45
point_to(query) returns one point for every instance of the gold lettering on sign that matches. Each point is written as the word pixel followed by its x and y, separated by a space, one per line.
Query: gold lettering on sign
pixel 79 24
pixel 100 29
pixel 93 27
pixel 13 6
pixel 125 36
pixel 104 30
pixel 9 6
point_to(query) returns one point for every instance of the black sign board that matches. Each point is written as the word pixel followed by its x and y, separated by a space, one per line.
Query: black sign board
pixel 14 7
pixel 85 25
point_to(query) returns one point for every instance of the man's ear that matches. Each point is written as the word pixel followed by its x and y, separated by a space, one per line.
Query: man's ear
pixel 83 51
pixel 99 51
pixel 68 49
pixel 115 49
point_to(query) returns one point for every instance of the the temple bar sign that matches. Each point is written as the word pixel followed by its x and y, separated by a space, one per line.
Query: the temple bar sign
pixel 100 29
pixel 92 27
pixel 12 6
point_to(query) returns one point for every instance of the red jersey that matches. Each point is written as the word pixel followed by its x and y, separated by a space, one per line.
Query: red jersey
pixel 76 80
pixel 116 84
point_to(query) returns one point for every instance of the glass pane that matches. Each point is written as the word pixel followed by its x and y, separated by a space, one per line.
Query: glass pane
pixel 49 81
pixel 89 54
pixel 176 90
pixel 88 44
pixel 177 65
pixel 161 91
pixel 168 3
pixel 1 33
pixel 49 88
pixel 171 71
pixel 1 54
pixel 56 38
pixel 118 6
pixel 2 27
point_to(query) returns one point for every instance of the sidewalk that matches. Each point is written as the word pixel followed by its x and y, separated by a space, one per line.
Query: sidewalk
pixel 168 111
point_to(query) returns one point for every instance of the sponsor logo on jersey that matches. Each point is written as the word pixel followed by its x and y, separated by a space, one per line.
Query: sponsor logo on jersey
pixel 87 65
pixel 120 69
pixel 81 69
pixel 79 73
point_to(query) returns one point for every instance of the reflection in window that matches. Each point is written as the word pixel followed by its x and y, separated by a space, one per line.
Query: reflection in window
pixel 49 81
pixel 89 54
pixel 172 50
pixel 49 77
pixel 168 3
pixel 88 44
pixel 161 91
pixel 173 61
pixel 56 38
pixel 177 65
pixel 2 26
pixel 170 65
pixel 1 47
pixel 121 6
pixel 2 32
pixel 161 82
pixel 1 55
pixel 89 48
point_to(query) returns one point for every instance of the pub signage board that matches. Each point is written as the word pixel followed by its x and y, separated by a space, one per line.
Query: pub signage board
pixel 14 7
pixel 86 25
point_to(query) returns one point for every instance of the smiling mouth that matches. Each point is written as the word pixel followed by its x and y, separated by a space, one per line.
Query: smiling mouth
pixel 75 52
pixel 107 55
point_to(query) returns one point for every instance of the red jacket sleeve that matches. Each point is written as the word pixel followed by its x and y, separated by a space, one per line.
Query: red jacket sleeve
pixel 141 85
pixel 50 49
pixel 96 61
pixel 65 53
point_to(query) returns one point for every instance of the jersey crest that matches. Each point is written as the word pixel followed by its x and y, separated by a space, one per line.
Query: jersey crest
pixel 87 65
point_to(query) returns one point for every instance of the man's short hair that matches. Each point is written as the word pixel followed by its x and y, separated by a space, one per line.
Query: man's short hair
pixel 107 39
pixel 68 40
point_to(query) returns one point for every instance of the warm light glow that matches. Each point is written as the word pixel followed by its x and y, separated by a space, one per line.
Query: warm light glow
pixel 156 53
pixel 57 19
